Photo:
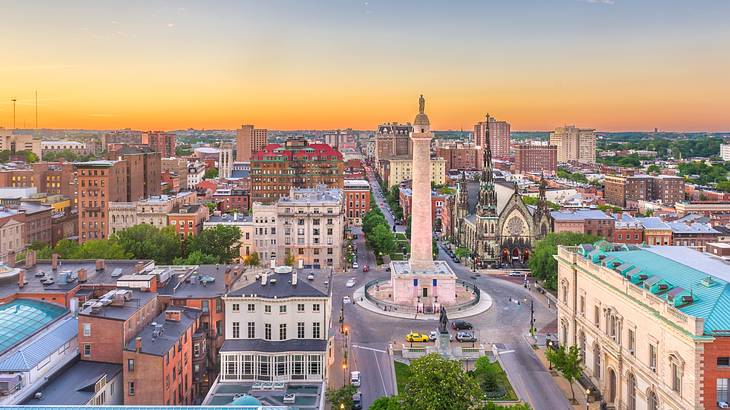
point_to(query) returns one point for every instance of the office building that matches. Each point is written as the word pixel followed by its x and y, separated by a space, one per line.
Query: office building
pixel 99 182
pixel 162 142
pixel 626 191
pixel 249 140
pixel 575 144
pixel 461 156
pixel 397 170
pixel 225 160
pixel 16 143
pixel 392 140
pixel 498 133
pixel 725 151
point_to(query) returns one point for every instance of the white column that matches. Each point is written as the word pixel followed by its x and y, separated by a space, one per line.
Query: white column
pixel 421 223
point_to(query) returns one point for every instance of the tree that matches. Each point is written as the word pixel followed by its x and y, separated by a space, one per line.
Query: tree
pixel 196 258
pixel 381 240
pixel 489 374
pixel 372 219
pixel 65 248
pixel 211 173
pixel 567 362
pixel 340 396
pixel 289 260
pixel 222 242
pixel 385 403
pixel 462 252
pixel 542 264
pixel 654 169
pixel 518 406
pixel 100 249
pixel 438 383
pixel 145 241
pixel 252 259
pixel 30 156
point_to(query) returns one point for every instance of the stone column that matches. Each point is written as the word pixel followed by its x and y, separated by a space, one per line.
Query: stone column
pixel 421 223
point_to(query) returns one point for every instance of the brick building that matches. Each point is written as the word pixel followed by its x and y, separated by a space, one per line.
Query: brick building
pixel 357 200
pixel 392 140
pixel 143 171
pixel 623 190
pixel 536 159
pixel 438 205
pixel 498 133
pixel 461 156
pixel 162 142
pixel 188 219
pixel 99 182
pixel 55 178
pixel 230 199
pixel 249 140
pixel 574 144
pixel 627 229
pixel 587 221
pixel 276 169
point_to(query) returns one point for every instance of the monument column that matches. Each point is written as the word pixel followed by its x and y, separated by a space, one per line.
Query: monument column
pixel 421 223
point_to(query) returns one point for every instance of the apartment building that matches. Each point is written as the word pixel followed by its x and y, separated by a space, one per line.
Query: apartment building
pixel 188 219
pixel 395 171
pixel 99 182
pixel 626 191
pixel 276 169
pixel 461 156
pixel 650 323
pixel 536 159
pixel 143 171
pixel 587 221
pixel 249 140
pixel 392 140
pixel 357 200
pixel 276 329
pixel 574 144
pixel 162 142
pixel 264 232
pixel 195 174
pixel 498 133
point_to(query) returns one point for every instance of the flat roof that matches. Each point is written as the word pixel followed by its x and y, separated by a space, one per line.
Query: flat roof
pixel 308 395
pixel 158 340
pixel 283 287
pixel 269 346
pixel 203 281
pixel 138 301
pixel 73 385
pixel 21 318
pixel 579 215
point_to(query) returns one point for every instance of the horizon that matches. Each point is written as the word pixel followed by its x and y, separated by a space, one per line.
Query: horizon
pixel 611 65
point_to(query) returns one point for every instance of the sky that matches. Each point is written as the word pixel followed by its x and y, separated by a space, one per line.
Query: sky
pixel 613 65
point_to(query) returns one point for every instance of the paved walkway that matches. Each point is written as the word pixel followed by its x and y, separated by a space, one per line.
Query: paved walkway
pixel 359 299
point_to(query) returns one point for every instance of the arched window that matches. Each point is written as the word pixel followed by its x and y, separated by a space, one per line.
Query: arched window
pixel 564 289
pixel 675 370
pixel 597 361
pixel 631 392
pixel 564 328
pixel 652 401
pixel 582 342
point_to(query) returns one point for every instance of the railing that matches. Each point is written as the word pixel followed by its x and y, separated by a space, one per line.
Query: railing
pixel 391 306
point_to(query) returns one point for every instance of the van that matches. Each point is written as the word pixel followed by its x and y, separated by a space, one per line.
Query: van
pixel 355 379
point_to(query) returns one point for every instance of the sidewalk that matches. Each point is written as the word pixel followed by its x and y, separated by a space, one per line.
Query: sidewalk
pixel 564 386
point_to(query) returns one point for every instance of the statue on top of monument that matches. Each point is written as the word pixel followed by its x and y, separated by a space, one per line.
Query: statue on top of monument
pixel 421 104
pixel 443 321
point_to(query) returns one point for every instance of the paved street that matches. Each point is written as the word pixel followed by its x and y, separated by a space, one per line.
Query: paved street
pixel 505 324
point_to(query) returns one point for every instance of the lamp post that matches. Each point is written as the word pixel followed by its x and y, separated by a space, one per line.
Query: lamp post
pixel 550 346
pixel 344 374
pixel 588 391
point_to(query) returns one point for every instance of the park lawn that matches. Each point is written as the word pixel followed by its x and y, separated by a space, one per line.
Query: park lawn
pixel 503 382
pixel 402 374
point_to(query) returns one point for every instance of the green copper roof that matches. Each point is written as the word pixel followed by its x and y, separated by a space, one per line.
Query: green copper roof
pixel 679 275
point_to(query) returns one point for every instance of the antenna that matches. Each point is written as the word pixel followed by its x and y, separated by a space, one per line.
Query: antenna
pixel 36 110
pixel 13 100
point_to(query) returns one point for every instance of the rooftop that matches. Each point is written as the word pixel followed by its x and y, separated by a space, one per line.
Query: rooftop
pixel 163 333
pixel 310 283
pixel 261 345
pixel 74 385
pixel 579 215
pixel 28 356
pixel 95 164
pixel 312 196
pixel 204 281
pixel 228 218
pixel 21 318
pixel 681 227
pixel 695 283
pixel 308 395
pixel 124 311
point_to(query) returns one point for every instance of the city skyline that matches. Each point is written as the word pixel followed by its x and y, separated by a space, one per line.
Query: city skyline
pixel 604 64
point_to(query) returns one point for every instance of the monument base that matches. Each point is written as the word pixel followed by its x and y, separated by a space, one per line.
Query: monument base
pixel 443 344
pixel 427 284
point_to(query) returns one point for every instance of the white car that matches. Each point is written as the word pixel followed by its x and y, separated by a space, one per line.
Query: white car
pixel 350 283
pixel 516 273
pixel 355 265
pixel 346 300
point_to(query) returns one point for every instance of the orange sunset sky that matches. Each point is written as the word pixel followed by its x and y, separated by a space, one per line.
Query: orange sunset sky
pixel 607 64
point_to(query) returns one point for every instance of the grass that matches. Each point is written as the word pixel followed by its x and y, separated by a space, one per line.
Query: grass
pixel 502 381
pixel 402 374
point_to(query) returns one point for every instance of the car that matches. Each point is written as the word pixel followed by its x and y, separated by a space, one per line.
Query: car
pixel 350 283
pixel 455 259
pixel 357 401
pixel 466 336
pixel 461 325
pixel 355 378
pixel 355 265
pixel 387 268
pixel 434 335
pixel 345 300
pixel 310 277
pixel 354 236
pixel 416 337
pixel 516 273
pixel 365 268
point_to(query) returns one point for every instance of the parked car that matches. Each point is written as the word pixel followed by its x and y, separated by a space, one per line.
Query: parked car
pixel 416 337
pixel 435 334
pixel 345 300
pixel 461 325
pixel 455 259
pixel 350 283
pixel 355 378
pixel 365 268
pixel 466 336
pixel 357 401
pixel 516 273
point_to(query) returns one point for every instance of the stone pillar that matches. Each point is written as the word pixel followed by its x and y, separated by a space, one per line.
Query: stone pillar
pixel 421 223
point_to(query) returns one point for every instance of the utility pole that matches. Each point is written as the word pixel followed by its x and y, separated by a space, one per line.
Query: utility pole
pixel 532 316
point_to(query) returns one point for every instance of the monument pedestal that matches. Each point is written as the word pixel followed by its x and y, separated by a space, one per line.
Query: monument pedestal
pixel 443 344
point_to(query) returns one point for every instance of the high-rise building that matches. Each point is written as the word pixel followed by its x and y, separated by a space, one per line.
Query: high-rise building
pixel 275 169
pixel 248 141
pixel 575 144
pixel 725 152
pixel 499 136
pixel 225 160
pixel 623 190
pixel 143 171
pixel 99 182
pixel 461 156
pixel 392 141
pixel 162 142
pixel 530 158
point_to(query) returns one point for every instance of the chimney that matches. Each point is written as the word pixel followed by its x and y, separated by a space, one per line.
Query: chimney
pixel 138 344
pixel 100 264
pixel 30 258
pixel 173 315
pixel 10 259
pixel 294 278
pixel 54 261
pixel 227 279
pixel 82 275
pixel 21 278
pixel 264 278
pixel 138 267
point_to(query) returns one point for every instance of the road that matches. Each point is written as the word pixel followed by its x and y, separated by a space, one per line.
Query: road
pixel 380 200
pixel 505 324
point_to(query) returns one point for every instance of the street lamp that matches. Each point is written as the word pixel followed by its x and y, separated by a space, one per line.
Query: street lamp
pixel 344 374
pixel 588 391
pixel 342 406
pixel 550 346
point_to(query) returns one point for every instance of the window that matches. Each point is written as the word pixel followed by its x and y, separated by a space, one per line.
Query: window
pixel 206 306
pixel 632 342
pixel 300 330
pixel 652 401
pixel 676 377
pixel 130 365
pixel 315 330
pixel 315 307
pixel 218 305
pixel 219 328
pixel 722 390
pixel 236 307
pixel 130 388
pixel 631 391
pixel 282 309
pixel 236 330
pixel 87 329
pixel 251 307
pixel 723 361
pixel 267 308
pixel 300 307
pixel 652 357
pixel 597 316
pixel 196 350
pixel 282 331
pixel 87 350
pixel 582 305
pixel 267 331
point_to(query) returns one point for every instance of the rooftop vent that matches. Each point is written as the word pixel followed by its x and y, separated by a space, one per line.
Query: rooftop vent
pixel 708 282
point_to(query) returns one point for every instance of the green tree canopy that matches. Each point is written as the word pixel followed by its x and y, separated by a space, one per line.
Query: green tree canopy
pixel 100 249
pixel 381 239
pixel 211 173
pixel 342 396
pixel 222 242
pixel 145 241
pixel 542 264
pixel 196 258
pixel 440 384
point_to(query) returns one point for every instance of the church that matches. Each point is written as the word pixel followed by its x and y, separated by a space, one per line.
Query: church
pixel 495 224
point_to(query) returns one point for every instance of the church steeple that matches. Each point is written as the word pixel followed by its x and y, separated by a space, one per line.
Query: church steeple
pixel 463 194
pixel 542 207
pixel 487 195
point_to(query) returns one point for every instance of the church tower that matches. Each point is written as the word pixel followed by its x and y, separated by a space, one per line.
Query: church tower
pixel 487 195
pixel 487 218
